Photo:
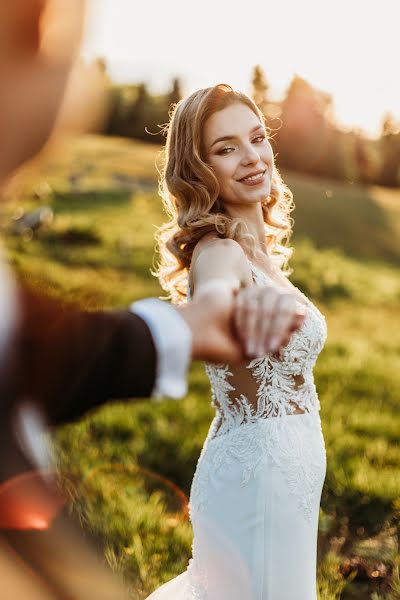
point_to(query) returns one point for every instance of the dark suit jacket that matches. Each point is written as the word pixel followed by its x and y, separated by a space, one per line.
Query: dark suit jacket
pixel 72 361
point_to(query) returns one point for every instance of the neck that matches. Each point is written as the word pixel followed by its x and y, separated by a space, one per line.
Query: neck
pixel 253 218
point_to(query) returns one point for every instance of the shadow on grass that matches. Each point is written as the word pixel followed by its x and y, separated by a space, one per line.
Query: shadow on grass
pixel 93 200
pixel 362 432
pixel 342 215
pixel 355 510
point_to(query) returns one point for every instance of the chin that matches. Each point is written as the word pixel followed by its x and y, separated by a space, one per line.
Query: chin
pixel 252 196
pixel 261 196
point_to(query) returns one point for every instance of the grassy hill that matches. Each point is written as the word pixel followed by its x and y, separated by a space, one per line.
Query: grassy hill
pixel 129 466
pixel 363 221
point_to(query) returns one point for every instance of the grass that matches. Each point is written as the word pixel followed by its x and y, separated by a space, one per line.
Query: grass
pixel 127 465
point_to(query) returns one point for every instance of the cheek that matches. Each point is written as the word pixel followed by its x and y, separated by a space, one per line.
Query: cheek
pixel 269 155
pixel 223 173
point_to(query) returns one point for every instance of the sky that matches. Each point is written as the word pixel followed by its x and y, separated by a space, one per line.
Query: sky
pixel 348 48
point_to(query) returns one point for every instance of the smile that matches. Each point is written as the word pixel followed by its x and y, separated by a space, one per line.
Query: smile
pixel 253 179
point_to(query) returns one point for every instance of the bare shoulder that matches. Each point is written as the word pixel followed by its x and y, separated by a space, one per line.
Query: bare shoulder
pixel 218 258
pixel 211 247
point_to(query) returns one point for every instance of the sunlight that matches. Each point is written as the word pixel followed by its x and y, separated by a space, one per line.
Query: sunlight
pixel 347 49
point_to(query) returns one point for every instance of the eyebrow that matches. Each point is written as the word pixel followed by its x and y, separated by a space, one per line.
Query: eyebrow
pixel 232 137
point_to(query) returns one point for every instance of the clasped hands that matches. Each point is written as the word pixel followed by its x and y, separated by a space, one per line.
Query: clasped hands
pixel 231 325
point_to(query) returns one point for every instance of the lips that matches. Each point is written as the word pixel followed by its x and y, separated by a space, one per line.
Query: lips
pixel 254 177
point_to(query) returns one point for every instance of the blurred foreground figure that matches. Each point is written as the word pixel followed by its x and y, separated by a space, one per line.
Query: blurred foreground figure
pixel 43 556
pixel 55 363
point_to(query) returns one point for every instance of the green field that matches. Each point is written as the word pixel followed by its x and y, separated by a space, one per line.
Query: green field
pixel 120 462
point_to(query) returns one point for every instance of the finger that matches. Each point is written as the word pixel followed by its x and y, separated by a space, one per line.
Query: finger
pixel 298 320
pixel 252 315
pixel 267 309
pixel 285 341
pixel 281 322
pixel 239 317
pixel 246 314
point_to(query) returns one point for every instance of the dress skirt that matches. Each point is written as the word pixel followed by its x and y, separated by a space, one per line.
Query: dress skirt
pixel 254 508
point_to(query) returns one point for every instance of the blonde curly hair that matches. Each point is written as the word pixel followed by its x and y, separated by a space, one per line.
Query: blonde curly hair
pixel 190 193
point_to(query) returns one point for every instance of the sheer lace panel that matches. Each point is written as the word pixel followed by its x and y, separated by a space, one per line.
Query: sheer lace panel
pixel 270 386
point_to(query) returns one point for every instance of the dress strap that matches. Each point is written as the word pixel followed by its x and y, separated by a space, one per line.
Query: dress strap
pixel 258 273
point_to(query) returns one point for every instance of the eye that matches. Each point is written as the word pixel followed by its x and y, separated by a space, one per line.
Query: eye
pixel 226 150
pixel 259 139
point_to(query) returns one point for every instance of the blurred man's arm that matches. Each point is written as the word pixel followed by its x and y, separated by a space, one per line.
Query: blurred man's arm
pixel 72 361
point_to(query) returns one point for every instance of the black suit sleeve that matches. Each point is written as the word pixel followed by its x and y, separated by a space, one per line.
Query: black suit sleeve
pixel 72 361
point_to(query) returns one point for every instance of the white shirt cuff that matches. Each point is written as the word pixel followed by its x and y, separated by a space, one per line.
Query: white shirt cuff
pixel 8 307
pixel 173 341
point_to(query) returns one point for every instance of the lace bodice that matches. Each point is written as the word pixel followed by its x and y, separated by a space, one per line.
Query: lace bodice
pixel 270 386
pixel 253 403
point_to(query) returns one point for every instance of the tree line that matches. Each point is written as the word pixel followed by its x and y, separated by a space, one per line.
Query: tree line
pixel 304 132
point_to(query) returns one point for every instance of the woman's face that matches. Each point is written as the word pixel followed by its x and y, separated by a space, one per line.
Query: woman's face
pixel 240 154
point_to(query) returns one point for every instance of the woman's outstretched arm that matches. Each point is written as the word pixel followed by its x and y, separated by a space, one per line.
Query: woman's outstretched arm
pixel 264 316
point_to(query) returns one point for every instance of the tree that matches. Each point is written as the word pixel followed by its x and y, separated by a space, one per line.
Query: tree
pixel 175 94
pixel 308 140
pixel 136 118
pixel 390 151
pixel 362 158
pixel 259 88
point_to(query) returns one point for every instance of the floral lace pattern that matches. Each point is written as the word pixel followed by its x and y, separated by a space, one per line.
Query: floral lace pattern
pixel 246 432
pixel 291 444
pixel 276 394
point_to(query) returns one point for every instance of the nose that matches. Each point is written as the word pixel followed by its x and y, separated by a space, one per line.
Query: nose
pixel 250 155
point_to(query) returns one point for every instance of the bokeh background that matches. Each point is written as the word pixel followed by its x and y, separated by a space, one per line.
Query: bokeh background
pixel 80 222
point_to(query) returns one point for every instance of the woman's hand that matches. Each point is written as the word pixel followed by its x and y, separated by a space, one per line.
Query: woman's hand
pixel 265 318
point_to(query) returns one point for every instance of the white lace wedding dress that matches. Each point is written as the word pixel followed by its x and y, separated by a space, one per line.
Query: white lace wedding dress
pixel 255 496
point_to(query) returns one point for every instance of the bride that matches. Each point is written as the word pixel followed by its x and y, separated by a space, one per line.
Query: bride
pixel 255 496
